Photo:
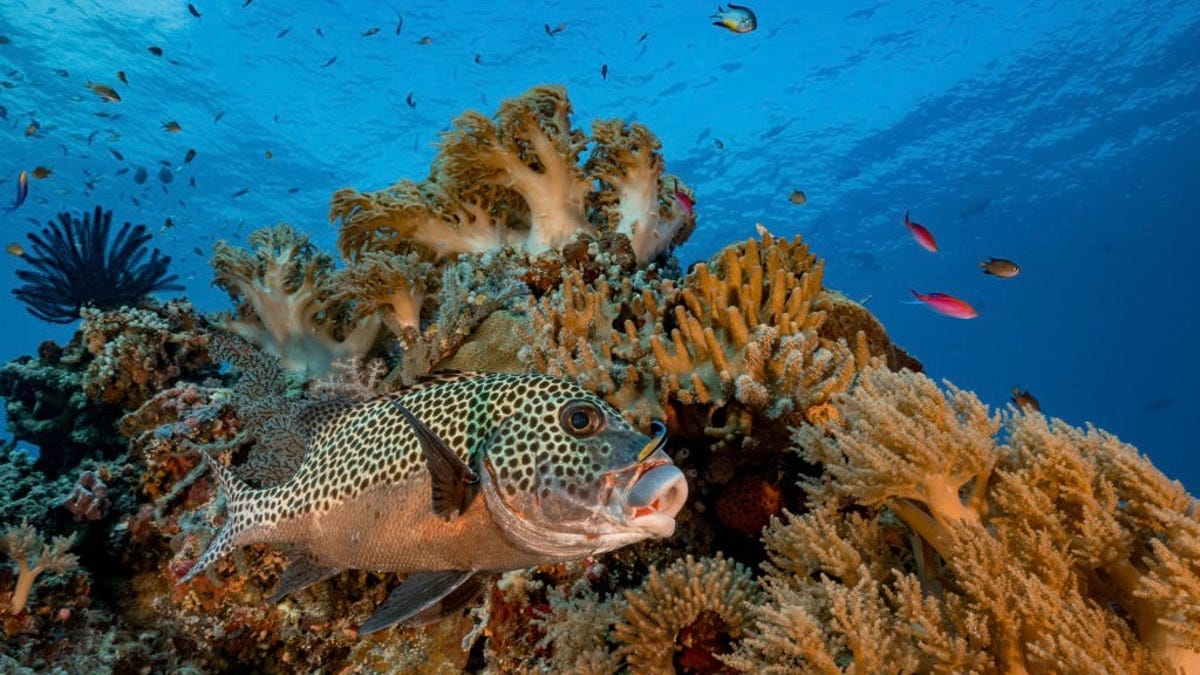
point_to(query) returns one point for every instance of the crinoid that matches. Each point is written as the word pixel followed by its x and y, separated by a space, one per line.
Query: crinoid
pixel 75 264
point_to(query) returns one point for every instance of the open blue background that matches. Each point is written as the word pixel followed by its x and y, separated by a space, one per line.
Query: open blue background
pixel 1063 135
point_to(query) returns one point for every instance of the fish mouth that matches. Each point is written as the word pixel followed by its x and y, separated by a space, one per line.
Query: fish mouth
pixel 655 498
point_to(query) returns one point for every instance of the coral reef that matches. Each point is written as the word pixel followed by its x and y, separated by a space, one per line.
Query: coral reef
pixel 845 514
pixel 75 265
pixel 515 180
pixel 284 291
pixel 965 554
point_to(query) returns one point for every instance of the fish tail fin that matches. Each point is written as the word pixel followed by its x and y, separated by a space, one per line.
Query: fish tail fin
pixel 238 527
pixel 915 294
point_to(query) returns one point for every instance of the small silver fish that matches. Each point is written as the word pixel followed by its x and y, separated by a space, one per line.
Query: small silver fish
pixel 447 481
pixel 737 18
pixel 1000 267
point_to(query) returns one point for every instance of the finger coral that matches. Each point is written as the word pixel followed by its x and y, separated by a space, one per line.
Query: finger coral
pixel 284 289
pixel 968 554
pixel 75 265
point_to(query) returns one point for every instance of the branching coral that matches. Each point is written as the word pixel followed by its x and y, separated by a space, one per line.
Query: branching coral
pixel 75 265
pixel 33 555
pixel 284 289
pixel 976 556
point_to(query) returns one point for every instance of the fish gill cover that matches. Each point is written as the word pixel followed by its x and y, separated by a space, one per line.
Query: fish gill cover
pixel 628 208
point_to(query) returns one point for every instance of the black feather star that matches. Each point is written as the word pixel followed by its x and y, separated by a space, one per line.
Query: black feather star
pixel 74 265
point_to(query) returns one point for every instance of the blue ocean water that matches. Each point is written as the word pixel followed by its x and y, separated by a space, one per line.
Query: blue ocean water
pixel 1062 135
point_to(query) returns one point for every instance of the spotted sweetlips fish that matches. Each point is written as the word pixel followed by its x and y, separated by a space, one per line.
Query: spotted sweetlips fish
pixel 451 480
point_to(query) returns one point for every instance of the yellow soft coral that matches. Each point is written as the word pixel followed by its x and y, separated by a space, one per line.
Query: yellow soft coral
pixel 1016 557
pixel 530 149
pixel 283 287
pixel 26 546
pixel 626 160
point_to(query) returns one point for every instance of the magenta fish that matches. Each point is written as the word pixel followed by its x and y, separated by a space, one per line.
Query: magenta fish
pixel 686 202
pixel 922 235
pixel 947 304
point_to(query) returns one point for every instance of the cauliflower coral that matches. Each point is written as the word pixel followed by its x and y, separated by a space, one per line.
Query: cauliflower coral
pixel 515 179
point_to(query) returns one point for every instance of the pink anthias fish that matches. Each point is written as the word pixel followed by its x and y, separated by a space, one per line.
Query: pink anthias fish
pixel 686 201
pixel 947 304
pixel 922 235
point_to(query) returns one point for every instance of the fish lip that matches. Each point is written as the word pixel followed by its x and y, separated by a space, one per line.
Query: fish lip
pixel 654 497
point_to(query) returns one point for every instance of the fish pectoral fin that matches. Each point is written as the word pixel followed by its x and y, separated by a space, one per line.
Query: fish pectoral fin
pixel 451 480
pixel 303 571
pixel 424 597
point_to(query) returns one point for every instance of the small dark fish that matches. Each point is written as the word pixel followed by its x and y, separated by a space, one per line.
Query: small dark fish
pixel 1025 401
pixel 61 73
pixel 15 249
pixel 91 137
pixel 139 176
pixel 172 127
pixel 412 102
pixel 399 23
pixel 41 172
pixel 374 30
pixel 275 118
pixel 643 38
pixel 1154 405
pixel 556 30
pixel 4 40
pixel 604 72
pixel 121 77
pixel 117 154
pixel 135 202
pixel 330 62
pixel 157 51
pixel 165 175
pixel 247 3
pixel 122 171
pixel 319 32
pixel 32 129
pixel 22 192
pixel 192 182
pixel 193 11
pixel 425 40
pixel 718 144
pixel 737 18
pixel 478 58
pixel 268 154
pixel 191 154
pixel 168 223
pixel 1000 267
pixel 797 197
pixel 218 116
pixel 3 113
pixel 196 249
pixel 105 92
pixel 283 32
pixel 293 190
pixel 241 192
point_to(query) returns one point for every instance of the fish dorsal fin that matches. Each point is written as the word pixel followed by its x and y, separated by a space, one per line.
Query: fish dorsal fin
pixel 303 571
pixel 434 379
pixel 423 597
pixel 452 482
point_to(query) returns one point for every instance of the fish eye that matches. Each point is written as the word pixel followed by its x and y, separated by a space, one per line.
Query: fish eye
pixel 581 418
